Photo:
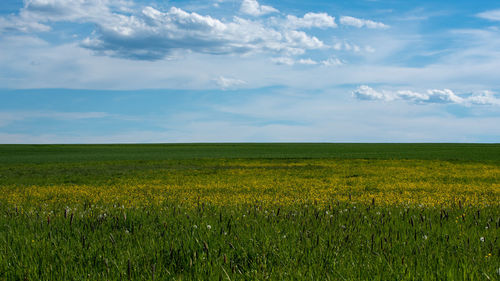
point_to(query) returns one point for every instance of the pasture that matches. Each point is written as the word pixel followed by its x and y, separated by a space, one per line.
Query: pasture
pixel 250 212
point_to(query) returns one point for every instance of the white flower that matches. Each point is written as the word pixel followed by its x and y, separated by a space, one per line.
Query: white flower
pixel 209 226
pixel 425 237
pixel 195 226
pixel 481 239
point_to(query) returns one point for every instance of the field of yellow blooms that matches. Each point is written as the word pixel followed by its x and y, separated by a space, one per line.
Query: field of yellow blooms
pixel 430 183
pixel 233 218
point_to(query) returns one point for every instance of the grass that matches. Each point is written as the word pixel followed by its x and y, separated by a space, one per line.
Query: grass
pixel 84 153
pixel 250 212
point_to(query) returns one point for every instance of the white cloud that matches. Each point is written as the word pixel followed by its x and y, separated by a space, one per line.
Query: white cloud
pixel 36 15
pixel 367 93
pixel 485 97
pixel 290 61
pixel 152 34
pixel 440 96
pixel 226 83
pixel 13 23
pixel 124 30
pixel 309 20
pixel 356 22
pixel 332 62
pixel 64 10
pixel 493 15
pixel 351 47
pixel 430 96
pixel 307 61
pixel 190 41
pixel 253 8
pixel 302 40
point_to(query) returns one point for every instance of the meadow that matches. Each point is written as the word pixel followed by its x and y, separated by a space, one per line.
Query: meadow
pixel 250 212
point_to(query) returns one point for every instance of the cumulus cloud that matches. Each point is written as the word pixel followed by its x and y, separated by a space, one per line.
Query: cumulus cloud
pixel 430 96
pixel 153 34
pixel 253 8
pixel 124 30
pixel 485 97
pixel 359 23
pixel 493 15
pixel 310 20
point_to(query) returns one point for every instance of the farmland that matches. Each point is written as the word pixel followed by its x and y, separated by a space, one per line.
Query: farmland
pixel 250 212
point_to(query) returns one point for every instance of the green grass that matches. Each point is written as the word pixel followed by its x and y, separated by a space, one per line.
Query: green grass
pixel 145 152
pixel 194 240
pixel 338 242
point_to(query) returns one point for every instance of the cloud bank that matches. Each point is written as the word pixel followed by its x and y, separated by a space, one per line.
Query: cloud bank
pixel 430 96
pixel 124 29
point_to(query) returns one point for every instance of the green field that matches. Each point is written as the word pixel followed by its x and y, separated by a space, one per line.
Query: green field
pixel 83 153
pixel 250 212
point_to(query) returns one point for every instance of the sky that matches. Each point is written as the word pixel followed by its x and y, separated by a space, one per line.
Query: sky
pixel 143 71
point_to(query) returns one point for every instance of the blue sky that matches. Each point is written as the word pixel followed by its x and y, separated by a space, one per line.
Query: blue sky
pixel 128 71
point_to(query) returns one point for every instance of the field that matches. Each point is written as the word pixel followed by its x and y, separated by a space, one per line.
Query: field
pixel 250 212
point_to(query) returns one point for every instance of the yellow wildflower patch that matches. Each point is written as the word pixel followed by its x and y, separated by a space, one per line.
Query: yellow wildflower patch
pixel 428 183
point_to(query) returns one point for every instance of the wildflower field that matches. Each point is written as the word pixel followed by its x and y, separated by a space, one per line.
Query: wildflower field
pixel 250 212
